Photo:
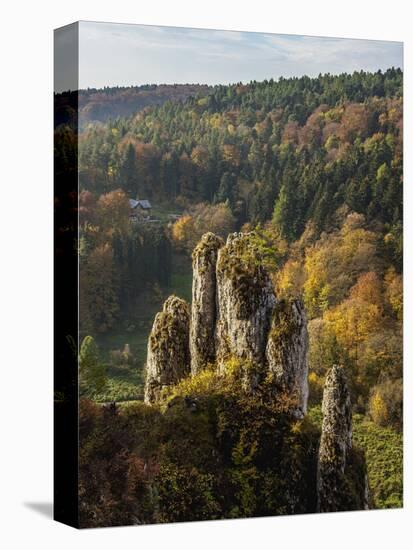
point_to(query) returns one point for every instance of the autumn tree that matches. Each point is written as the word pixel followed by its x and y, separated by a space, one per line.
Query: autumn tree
pixel 199 220
pixel 334 262
pixel 99 287
pixel 92 372
pixel 113 212
pixel 357 317
pixel 87 207
pixel 394 291
pixel 386 404
pixel 290 279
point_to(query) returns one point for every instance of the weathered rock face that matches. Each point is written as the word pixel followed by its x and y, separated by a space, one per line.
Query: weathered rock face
pixel 286 352
pixel 168 348
pixel 246 302
pixel 335 443
pixel 204 302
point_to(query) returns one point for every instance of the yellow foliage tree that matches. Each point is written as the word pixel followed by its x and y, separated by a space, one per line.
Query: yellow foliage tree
pixel 203 217
pixel 394 291
pixel 359 316
pixel 290 279
pixel 333 264
pixel 182 229
pixel 378 409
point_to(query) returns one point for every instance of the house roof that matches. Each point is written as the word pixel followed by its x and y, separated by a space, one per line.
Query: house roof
pixel 145 204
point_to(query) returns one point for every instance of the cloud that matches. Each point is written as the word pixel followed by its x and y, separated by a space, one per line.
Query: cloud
pixel 119 54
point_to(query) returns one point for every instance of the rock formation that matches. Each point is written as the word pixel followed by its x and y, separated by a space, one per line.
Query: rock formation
pixel 286 352
pixel 204 302
pixel 237 320
pixel 246 302
pixel 335 443
pixel 168 348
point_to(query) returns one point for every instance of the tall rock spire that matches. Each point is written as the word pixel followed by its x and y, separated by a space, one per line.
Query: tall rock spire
pixel 335 443
pixel 204 302
pixel 168 348
pixel 286 352
pixel 245 303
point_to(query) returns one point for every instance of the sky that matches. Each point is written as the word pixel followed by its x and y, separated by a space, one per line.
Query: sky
pixel 113 54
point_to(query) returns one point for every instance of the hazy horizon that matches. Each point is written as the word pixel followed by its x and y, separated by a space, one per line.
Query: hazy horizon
pixel 118 54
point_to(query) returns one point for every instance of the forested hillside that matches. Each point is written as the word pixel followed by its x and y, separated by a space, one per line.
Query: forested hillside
pixel 313 165
pixel 118 101
pixel 295 149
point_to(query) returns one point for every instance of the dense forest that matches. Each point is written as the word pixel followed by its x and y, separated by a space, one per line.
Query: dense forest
pixel 313 165
pixel 296 149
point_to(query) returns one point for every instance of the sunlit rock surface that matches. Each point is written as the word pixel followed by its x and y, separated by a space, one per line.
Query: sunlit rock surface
pixel 341 477
pixel 286 352
pixel 168 348
pixel 246 302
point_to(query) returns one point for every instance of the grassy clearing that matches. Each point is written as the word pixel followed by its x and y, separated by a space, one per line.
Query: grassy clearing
pixel 136 338
pixel 120 390
pixel 163 212
pixel 126 382
pixel 181 285
pixel 384 455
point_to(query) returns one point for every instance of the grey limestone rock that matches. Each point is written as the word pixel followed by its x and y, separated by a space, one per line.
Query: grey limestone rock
pixel 335 443
pixel 286 352
pixel 246 302
pixel 168 348
pixel 204 302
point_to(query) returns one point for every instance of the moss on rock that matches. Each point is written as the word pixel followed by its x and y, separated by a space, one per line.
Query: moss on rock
pixel 286 352
pixel 245 303
pixel 168 348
